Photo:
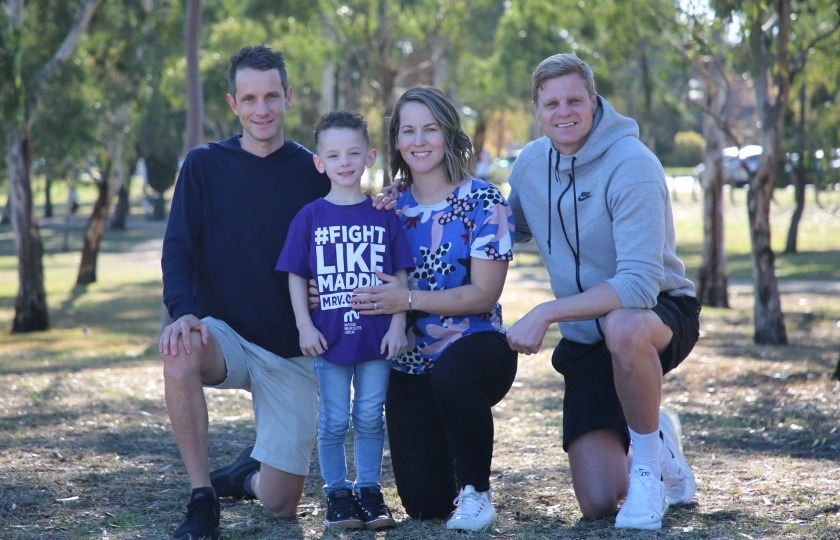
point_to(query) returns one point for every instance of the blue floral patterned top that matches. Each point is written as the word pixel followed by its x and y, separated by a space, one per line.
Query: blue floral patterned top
pixel 475 221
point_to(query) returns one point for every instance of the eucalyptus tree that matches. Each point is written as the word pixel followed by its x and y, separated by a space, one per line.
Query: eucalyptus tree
pixel 815 40
pixel 699 38
pixel 21 101
pixel 771 30
pixel 122 41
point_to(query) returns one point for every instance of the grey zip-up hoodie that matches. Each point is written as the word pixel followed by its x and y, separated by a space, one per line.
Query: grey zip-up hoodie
pixel 601 214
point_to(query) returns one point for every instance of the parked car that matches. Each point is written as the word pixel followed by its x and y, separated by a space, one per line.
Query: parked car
pixel 500 169
pixel 734 163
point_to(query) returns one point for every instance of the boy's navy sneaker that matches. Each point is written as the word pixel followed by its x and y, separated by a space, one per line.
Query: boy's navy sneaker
pixel 341 510
pixel 229 481
pixel 202 520
pixel 372 509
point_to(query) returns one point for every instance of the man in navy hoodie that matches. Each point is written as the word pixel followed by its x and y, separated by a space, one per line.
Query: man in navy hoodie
pixel 233 322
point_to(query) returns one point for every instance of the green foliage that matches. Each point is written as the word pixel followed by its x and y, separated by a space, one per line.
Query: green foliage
pixel 482 53
pixel 159 141
pixel 688 150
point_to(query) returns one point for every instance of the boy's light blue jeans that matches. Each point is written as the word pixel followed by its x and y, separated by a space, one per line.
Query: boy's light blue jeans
pixel 369 380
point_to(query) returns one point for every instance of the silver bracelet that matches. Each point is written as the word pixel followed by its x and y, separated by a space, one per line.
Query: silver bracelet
pixel 409 299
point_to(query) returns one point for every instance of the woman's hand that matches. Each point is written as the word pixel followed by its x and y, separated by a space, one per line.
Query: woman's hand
pixel 385 299
pixel 312 295
pixel 387 200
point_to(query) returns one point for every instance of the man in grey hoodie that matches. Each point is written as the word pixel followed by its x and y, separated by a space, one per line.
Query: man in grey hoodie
pixel 595 200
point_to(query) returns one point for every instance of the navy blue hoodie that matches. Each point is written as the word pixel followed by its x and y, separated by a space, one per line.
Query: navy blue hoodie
pixel 230 214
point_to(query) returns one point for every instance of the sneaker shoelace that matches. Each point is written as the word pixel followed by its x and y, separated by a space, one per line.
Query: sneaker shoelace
pixel 343 507
pixel 470 504
pixel 201 506
pixel 374 503
pixel 641 497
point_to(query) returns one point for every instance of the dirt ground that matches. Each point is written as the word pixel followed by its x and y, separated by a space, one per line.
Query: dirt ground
pixel 86 450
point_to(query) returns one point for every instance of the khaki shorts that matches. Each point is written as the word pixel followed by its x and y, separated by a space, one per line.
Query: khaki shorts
pixel 284 393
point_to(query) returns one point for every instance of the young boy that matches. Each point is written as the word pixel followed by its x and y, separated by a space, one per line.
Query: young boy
pixel 342 241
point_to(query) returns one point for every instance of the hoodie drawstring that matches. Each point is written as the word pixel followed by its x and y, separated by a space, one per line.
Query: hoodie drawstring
pixel 550 178
pixel 576 248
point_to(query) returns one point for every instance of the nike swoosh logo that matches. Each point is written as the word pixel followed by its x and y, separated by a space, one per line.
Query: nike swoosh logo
pixel 585 195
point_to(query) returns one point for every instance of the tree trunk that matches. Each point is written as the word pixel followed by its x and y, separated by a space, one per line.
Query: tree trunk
pixel 95 229
pixel 72 207
pixel 480 133
pixel 770 58
pixel 387 77
pixel 796 217
pixel 48 205
pixel 113 177
pixel 195 96
pixel 6 216
pixel 767 308
pixel 712 281
pixel 31 313
pixel 798 177
pixel 119 221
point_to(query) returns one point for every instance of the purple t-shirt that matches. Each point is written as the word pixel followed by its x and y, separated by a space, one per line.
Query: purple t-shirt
pixel 342 247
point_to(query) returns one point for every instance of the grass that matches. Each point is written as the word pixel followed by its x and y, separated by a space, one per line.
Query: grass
pixel 86 450
pixel 818 246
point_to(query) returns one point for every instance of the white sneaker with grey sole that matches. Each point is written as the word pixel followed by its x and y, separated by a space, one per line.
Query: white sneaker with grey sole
pixel 680 484
pixel 645 504
pixel 474 511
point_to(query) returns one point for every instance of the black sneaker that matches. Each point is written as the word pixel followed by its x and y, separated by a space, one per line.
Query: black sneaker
pixel 341 510
pixel 202 521
pixel 230 481
pixel 373 510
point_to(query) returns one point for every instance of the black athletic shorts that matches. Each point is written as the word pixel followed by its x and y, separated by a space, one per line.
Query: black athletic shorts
pixel 590 401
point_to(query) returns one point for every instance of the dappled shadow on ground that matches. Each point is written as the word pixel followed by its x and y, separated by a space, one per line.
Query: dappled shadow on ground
pixel 85 443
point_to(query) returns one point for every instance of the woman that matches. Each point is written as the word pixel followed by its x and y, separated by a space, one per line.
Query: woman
pixel 458 364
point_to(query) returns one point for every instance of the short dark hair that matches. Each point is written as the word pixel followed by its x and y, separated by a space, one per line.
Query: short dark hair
pixel 257 57
pixel 341 120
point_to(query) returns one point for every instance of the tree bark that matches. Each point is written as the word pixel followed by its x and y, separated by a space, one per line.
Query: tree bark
pixel 798 177
pixel 712 281
pixel 31 313
pixel 387 77
pixel 48 205
pixel 767 308
pixel 94 230
pixel 769 50
pixel 113 178
pixel 119 220
pixel 195 96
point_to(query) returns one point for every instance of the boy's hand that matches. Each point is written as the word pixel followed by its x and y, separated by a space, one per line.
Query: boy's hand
pixel 312 342
pixel 394 343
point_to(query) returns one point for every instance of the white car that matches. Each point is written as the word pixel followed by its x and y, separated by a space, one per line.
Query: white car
pixel 736 163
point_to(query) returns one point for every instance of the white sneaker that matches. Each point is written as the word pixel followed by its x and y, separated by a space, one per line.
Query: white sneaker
pixel 676 474
pixel 645 503
pixel 474 511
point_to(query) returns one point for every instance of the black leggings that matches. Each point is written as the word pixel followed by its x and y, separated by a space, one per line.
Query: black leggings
pixel 440 425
